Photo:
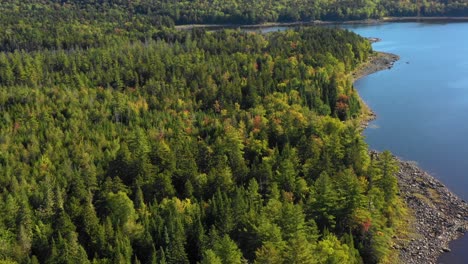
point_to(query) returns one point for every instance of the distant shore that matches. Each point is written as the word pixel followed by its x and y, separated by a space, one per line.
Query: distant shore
pixel 438 215
pixel 322 22
pixel 424 19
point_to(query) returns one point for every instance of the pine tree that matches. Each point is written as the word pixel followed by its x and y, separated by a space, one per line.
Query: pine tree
pixel 323 204
pixel 210 257
pixel 300 250
pixel 388 183
pixel 227 250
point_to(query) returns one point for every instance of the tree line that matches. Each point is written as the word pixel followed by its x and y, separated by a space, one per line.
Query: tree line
pixel 142 13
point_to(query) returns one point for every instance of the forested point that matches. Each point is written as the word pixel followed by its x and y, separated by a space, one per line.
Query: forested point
pixel 125 141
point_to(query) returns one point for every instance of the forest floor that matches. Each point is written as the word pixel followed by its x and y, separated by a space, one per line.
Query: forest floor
pixel 437 216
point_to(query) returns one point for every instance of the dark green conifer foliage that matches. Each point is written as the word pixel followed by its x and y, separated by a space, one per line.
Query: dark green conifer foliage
pixel 124 140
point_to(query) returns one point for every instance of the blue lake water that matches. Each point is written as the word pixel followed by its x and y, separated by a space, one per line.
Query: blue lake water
pixel 422 103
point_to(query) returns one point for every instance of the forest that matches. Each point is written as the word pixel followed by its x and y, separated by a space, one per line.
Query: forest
pixel 199 147
pixel 145 13
pixel 123 140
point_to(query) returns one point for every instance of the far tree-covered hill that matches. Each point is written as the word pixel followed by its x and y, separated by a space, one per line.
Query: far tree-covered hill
pixel 65 24
pixel 236 11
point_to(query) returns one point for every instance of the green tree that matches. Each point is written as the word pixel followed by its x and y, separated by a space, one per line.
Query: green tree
pixel 210 257
pixel 227 250
pixel 324 202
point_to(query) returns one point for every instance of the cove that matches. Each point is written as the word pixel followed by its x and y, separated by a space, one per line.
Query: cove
pixel 422 102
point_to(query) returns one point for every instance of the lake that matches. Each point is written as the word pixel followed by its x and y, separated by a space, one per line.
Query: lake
pixel 422 103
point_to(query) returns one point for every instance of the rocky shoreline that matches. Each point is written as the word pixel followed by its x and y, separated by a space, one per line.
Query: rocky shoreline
pixel 438 215
pixel 378 61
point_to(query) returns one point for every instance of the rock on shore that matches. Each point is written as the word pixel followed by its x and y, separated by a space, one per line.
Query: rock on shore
pixel 439 215
pixel 377 62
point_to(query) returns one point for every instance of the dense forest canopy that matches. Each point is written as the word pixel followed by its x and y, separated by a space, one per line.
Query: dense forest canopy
pixel 123 140
pixel 209 147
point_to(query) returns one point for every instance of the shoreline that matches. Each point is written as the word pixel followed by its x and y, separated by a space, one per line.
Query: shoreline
pixel 441 19
pixel 438 215
pixel 425 19
pixel 378 61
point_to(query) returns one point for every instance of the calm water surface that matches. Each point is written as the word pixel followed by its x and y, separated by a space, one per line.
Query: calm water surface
pixel 422 103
